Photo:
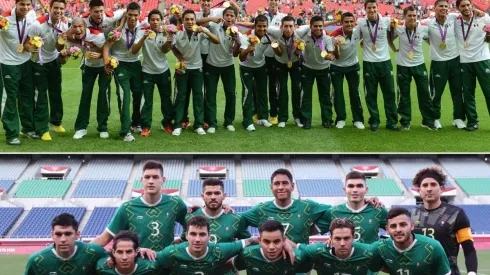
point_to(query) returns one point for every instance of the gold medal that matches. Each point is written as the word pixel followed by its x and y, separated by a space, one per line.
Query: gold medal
pixel 195 28
pixel 152 35
pixel 128 53
pixel 442 46
pixel 373 47
pixel 61 41
pixel 290 64
pixel 87 55
pixel 465 45
pixel 20 48
pixel 341 40
pixel 323 54
pixel 410 55
pixel 274 44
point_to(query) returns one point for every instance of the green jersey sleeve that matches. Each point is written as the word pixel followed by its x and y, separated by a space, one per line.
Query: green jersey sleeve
pixel 119 222
pixel 243 232
pixel 383 218
pixel 377 262
pixel 251 217
pixel 30 266
pixel 302 263
pixel 323 223
pixel 229 250
pixel 440 260
pixel 239 262
pixel 318 210
pixel 182 212
pixel 163 257
pixel 102 266
pixel 310 251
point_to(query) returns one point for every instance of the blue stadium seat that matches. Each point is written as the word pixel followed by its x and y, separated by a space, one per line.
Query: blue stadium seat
pixel 12 168
pixel 314 168
pixel 98 221
pixel 108 169
pixel 407 168
pixel 195 188
pixel 254 168
pixel 6 185
pixel 320 187
pixel 9 217
pixel 100 189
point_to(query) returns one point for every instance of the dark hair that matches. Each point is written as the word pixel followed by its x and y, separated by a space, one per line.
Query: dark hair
pixel 151 164
pixel 126 236
pixel 282 171
pixel 407 9
pixel 65 219
pixel 157 12
pixel 438 1
pixel 59 1
pixel 197 221
pixel 287 18
pixel 369 1
pixel 315 18
pixel 260 18
pixel 397 211
pixel 271 226
pixel 188 12
pixel 354 175
pixel 342 223
pixel 213 182
pixel 230 8
pixel 134 7
pixel 344 15
pixel 430 172
pixel 95 3
pixel 458 2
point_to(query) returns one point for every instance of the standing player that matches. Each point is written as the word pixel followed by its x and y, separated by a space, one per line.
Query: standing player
pixel 318 52
pixel 47 74
pixel 100 19
pixel 475 58
pixel 267 258
pixel 442 221
pixel 16 73
pixel 66 255
pixel 407 253
pixel 155 72
pixel 346 64
pixel 377 66
pixel 127 75
pixel 152 216
pixel 411 64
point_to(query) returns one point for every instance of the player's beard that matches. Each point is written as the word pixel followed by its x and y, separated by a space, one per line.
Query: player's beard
pixel 217 205
pixel 406 237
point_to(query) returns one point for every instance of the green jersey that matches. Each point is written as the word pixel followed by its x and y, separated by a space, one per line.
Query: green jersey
pixel 178 260
pixel 296 218
pixel 83 260
pixel 142 267
pixel 252 259
pixel 154 223
pixel 368 221
pixel 326 263
pixel 223 227
pixel 424 256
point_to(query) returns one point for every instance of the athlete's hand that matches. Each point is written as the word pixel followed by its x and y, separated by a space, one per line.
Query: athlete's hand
pixel 251 48
pixel 146 34
pixel 110 263
pixel 177 241
pixel 227 209
pixel 148 253
pixel 94 55
pixel 374 202
pixel 193 209
pixel 108 69
pixel 337 43
pixel 30 48
pixel 64 36
pixel 288 250
pixel 63 52
pixel 217 20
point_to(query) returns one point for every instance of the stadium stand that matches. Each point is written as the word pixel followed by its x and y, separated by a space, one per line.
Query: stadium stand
pixel 98 221
pixel 9 217
pixel 466 167
pixel 407 168
pixel 256 188
pixel 475 186
pixel 169 184
pixel 195 188
pixel 108 169
pixel 12 168
pixel 37 224
pixel 348 163
pixel 74 165
pixel 42 188
pixel 6 185
pixel 319 188
pixel 198 162
pixel 383 187
pixel 314 168
pixel 260 168
pixel 173 169
pixel 100 189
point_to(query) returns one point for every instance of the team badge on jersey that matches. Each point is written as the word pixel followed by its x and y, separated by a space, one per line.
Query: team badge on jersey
pixel 299 216
pixel 270 218
pixel 227 228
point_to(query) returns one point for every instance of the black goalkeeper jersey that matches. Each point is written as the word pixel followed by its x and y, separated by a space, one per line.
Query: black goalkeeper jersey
pixel 442 224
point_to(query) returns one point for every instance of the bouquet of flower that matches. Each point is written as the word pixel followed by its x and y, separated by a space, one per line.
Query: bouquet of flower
pixel 261 10
pixel 486 28
pixel 112 61
pixel 174 9
pixel 338 15
pixel 37 41
pixel 231 29
pixel 172 28
pixel 74 52
pixel 4 23
pixel 253 40
pixel 114 35
pixel 180 67
pixel 299 45
pixel 394 23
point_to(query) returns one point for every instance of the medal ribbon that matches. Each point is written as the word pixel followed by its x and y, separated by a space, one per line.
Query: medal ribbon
pixel 443 33
pixel 411 41
pixel 469 27
pixel 129 43
pixel 320 43
pixel 289 47
pixel 21 33
pixel 373 38
pixel 55 28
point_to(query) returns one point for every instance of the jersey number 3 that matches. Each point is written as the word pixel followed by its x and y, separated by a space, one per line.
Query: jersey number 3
pixel 155 229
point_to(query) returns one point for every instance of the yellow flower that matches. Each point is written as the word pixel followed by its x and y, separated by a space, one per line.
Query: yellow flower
pixel 38 44
pixel 301 47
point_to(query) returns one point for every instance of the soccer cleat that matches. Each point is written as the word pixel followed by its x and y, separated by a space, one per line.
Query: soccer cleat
pixel 458 123
pixel 374 127
pixel 250 128
pixel 176 132
pixel 211 130
pixel 230 128
pixel 359 125
pixel 80 134
pixel 307 125
pixel 438 125
pixel 264 122
pixel 200 131
pixel 281 125
pixel 30 135
pixel 129 137
pixel 327 124
pixel 145 132
pixel 392 127
pixel 46 137
pixel 59 129
pixel 136 129
pixel 185 125
pixel 298 123
pixel 168 128
pixel 14 141
pixel 255 118
pixel 273 120
pixel 406 126
pixel 104 135
pixel 340 124
pixel 429 126
pixel 472 128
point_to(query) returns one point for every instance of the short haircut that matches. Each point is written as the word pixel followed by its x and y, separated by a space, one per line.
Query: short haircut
pixel 157 12
pixel 151 164
pixel 188 12
pixel 342 223
pixel 369 1
pixel 65 219
pixel 407 9
pixel 354 175
pixel 57 1
pixel 346 14
pixel 230 8
pixel 287 18
pixel 78 19
pixel 126 236
pixel 197 221
pixel 397 211
pixel 430 172
pixel 458 2
pixel 261 18
pixel 271 226
pixel 282 171
pixel 134 7
pixel 213 182
pixel 439 1
pixel 315 18
pixel 95 3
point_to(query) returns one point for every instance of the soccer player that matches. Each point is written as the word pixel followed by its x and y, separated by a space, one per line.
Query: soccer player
pixel 343 255
pixel 198 255
pixel 253 73
pixel 220 63
pixel 91 41
pixel 346 64
pixel 127 75
pixel 16 73
pixel 66 255
pixel 125 258
pixel 475 58
pixel 318 54
pixel 442 221
pixel 377 66
pixel 411 64
pixel 155 72
pixel 47 74
pixel 152 216
pixel 407 253
pixel 187 42
pixel 100 19
pixel 267 258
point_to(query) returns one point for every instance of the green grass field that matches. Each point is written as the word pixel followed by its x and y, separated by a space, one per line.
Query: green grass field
pixel 15 264
pixel 289 139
